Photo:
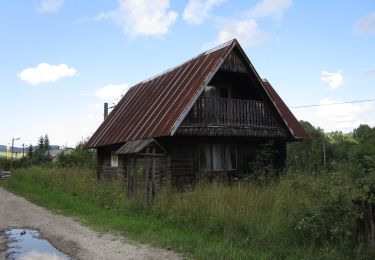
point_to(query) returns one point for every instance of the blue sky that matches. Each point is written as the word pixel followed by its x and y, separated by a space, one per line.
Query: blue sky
pixel 61 59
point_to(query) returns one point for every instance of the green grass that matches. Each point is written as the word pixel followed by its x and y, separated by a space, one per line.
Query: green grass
pixel 211 222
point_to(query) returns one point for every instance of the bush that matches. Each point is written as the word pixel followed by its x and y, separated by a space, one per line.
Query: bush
pixel 329 215
pixel 262 170
pixel 5 164
pixel 79 158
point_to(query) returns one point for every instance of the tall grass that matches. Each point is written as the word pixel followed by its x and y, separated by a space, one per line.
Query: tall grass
pixel 300 217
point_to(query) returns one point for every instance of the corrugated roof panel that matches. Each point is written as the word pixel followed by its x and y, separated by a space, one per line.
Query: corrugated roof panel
pixel 290 120
pixel 155 107
pixel 151 108
pixel 134 146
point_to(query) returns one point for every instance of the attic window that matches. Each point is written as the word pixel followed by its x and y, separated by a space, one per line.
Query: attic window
pixel 210 91
pixel 220 92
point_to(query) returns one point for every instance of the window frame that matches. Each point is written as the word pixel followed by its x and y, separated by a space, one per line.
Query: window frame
pixel 114 160
pixel 210 164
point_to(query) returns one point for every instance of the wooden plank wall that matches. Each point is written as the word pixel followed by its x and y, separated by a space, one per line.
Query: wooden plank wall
pixel 184 154
pixel 182 164
pixel 104 168
pixel 141 180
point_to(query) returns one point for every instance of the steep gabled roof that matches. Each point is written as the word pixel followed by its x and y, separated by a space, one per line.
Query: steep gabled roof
pixel 289 119
pixel 157 106
pixel 152 107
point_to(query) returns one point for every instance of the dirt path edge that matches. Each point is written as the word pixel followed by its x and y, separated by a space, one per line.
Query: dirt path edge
pixel 68 235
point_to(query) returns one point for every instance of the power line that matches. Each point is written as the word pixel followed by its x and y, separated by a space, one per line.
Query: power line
pixel 338 103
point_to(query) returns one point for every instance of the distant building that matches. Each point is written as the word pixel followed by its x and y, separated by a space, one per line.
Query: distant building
pixel 55 152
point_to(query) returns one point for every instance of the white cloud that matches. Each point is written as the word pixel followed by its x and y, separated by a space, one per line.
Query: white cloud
pixel 45 72
pixel 334 80
pixel 198 10
pixel 246 32
pixel 366 24
pixel 343 117
pixel 49 6
pixel 142 17
pixel 112 93
pixel 273 8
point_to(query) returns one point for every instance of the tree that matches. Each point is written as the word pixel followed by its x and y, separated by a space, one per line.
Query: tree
pixel 41 154
pixel 41 143
pixel 307 154
pixel 30 151
pixel 46 143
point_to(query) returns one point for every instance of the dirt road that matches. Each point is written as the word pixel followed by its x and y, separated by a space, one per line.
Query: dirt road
pixel 68 235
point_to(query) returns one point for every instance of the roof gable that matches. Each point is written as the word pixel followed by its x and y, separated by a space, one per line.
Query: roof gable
pixel 152 107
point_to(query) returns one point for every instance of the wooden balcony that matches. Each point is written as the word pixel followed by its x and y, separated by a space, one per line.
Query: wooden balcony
pixel 226 117
pixel 228 112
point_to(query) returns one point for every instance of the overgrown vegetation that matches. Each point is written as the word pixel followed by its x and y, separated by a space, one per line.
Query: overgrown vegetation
pixel 79 158
pixel 302 216
pixel 308 213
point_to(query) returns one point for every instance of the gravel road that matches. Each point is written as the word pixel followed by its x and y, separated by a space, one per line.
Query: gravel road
pixel 68 235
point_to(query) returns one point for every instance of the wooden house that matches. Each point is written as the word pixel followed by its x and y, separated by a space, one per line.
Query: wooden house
pixel 202 119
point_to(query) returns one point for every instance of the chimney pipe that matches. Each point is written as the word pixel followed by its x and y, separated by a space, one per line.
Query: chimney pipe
pixel 105 110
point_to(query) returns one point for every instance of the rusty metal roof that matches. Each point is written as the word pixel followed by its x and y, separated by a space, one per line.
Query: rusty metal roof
pixel 137 146
pixel 289 119
pixel 134 146
pixel 156 107
pixel 152 107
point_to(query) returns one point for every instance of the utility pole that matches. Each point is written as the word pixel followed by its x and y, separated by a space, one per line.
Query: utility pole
pixel 13 139
pixel 324 153
pixel 23 150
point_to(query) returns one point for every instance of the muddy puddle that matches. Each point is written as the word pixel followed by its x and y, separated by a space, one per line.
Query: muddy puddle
pixel 27 244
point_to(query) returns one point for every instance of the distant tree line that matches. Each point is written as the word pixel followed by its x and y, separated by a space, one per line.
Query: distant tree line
pixel 332 151
pixel 40 155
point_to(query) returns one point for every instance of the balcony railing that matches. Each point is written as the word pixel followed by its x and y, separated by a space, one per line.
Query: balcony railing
pixel 230 112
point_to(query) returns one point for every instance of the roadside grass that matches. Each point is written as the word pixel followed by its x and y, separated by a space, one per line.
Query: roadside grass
pixel 211 222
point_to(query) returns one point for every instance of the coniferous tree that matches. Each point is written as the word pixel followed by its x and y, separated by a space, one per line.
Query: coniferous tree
pixel 30 151
pixel 46 143
pixel 41 143
pixel 47 148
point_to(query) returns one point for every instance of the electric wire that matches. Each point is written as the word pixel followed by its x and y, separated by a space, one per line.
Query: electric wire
pixel 337 103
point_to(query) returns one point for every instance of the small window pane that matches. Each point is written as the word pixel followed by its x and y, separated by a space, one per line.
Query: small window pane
pixel 217 157
pixel 210 91
pixel 114 160
pixel 204 157
pixel 230 157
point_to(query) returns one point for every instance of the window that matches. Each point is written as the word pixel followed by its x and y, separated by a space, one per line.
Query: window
pixel 230 157
pixel 114 160
pixel 220 92
pixel 205 157
pixel 217 157
pixel 210 91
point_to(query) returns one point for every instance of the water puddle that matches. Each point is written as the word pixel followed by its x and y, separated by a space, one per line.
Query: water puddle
pixel 26 244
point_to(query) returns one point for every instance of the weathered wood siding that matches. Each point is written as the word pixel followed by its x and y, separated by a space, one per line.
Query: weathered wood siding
pixel 146 175
pixel 184 154
pixel 226 111
pixel 104 168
